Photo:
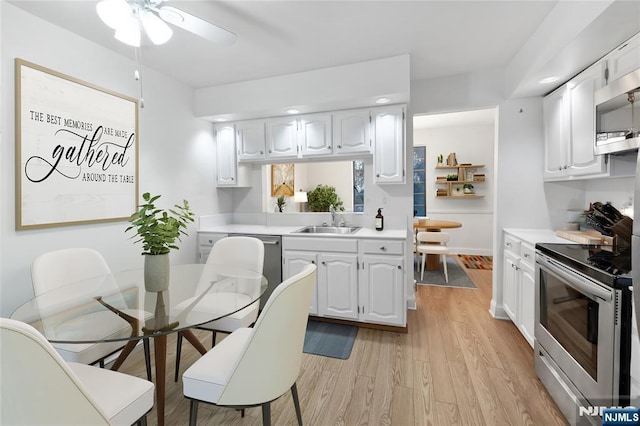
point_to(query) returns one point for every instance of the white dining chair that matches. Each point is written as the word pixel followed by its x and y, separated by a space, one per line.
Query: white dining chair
pixel 433 243
pixel 54 269
pixel 235 252
pixel 255 366
pixel 39 388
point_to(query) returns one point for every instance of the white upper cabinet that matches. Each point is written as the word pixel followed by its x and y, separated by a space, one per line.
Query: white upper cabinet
pixel 624 59
pixel 569 128
pixel 352 131
pixel 314 134
pixel 282 137
pixel 228 172
pixel 582 121
pixel 250 138
pixel 388 154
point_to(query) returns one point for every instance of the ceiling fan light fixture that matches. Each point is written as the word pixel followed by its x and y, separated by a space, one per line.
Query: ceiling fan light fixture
pixel 113 12
pixel 128 31
pixel 157 30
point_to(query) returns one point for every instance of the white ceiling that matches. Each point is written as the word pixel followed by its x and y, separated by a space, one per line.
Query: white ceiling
pixel 442 37
pixel 478 117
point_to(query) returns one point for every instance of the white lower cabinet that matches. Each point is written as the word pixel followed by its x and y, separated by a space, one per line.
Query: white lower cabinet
pixel 206 240
pixel 338 285
pixel 357 280
pixel 518 285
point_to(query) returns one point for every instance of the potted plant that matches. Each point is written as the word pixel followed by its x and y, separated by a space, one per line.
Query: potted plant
pixel 467 188
pixel 321 197
pixel 158 231
pixel 281 201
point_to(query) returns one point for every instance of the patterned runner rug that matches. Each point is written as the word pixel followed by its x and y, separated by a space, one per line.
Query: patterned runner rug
pixel 476 262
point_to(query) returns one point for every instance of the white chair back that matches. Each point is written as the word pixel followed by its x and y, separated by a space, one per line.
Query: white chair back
pixel 270 363
pixel 433 237
pixel 38 387
pixel 56 268
pixel 239 252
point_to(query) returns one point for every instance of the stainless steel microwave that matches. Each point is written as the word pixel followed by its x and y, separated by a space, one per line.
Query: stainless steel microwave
pixel 617 121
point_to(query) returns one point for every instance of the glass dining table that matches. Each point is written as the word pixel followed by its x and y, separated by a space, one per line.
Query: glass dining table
pixel 116 307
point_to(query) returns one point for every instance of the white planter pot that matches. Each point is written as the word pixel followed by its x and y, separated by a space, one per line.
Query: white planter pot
pixel 156 272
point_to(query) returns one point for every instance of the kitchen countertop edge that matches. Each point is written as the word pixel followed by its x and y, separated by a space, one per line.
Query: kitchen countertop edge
pixel 289 231
pixel 534 236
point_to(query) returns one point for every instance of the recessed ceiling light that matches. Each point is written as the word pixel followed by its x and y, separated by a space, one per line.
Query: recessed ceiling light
pixel 383 100
pixel 219 119
pixel 549 79
pixel 292 111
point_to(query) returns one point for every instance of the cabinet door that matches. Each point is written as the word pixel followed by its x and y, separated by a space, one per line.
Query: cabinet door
pixel 556 134
pixel 382 290
pixel 388 154
pixel 226 163
pixel 294 262
pixel 510 286
pixel 338 285
pixel 624 59
pixel 583 122
pixel 282 137
pixel 250 138
pixel 352 131
pixel 526 310
pixel 314 133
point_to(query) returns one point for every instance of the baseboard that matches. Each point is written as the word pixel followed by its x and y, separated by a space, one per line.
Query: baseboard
pixel 497 311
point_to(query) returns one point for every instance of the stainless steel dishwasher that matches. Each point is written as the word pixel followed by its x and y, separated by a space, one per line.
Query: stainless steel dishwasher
pixel 272 268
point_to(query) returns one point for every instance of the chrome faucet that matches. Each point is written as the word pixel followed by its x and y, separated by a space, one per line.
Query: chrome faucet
pixel 332 210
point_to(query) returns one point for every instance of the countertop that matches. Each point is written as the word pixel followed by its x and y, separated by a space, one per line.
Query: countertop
pixel 533 236
pixel 289 231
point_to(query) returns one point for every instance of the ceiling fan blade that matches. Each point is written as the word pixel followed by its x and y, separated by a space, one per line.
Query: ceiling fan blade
pixel 157 29
pixel 197 26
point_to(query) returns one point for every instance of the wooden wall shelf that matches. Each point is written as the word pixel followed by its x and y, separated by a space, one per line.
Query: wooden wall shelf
pixel 454 188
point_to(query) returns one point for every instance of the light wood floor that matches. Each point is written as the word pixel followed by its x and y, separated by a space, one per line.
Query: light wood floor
pixel 456 365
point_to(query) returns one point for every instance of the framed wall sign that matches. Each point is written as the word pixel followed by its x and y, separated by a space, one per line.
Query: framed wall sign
pixel 76 150
pixel 282 180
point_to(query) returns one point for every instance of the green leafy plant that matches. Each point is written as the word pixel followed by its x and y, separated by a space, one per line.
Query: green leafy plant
pixel 158 229
pixel 467 186
pixel 281 202
pixel 323 196
pixel 452 177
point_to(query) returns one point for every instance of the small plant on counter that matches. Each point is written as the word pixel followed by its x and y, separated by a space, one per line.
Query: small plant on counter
pixel 281 202
pixel 323 196
pixel 158 229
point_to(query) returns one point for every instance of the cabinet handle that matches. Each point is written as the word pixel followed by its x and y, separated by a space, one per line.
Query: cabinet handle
pixel 378 175
pixel 269 151
pixel 313 261
pixel 339 146
pixel 526 255
pixel 508 244
pixel 383 248
pixel 261 152
pixel 323 262
pixel 399 267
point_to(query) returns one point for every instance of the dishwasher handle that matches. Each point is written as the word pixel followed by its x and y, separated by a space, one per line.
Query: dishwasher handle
pixel 272 243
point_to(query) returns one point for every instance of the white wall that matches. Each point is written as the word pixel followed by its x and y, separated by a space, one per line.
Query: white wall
pixel 471 144
pixel 176 151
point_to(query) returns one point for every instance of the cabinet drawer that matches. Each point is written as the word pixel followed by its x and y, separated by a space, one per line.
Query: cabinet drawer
pixel 320 244
pixel 382 247
pixel 528 254
pixel 209 238
pixel 511 244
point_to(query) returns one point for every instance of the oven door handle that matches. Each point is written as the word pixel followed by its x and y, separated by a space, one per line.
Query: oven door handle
pixel 578 283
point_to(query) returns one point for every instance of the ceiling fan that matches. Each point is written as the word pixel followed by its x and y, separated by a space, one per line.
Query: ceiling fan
pixel 129 17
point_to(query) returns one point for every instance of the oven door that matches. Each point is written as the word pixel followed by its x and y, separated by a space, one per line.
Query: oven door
pixel 576 325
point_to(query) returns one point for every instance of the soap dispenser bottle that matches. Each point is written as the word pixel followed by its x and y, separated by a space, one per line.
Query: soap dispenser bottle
pixel 379 220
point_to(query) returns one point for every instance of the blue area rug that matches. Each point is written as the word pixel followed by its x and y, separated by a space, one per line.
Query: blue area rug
pixel 329 339
pixel 457 277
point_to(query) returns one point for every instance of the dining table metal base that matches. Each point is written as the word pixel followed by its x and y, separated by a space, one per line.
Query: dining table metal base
pixel 160 354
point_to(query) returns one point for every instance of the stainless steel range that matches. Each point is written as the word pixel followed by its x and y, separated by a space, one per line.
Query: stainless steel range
pixel 583 327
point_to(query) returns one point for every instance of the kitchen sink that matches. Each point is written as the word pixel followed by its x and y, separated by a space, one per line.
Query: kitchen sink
pixel 328 229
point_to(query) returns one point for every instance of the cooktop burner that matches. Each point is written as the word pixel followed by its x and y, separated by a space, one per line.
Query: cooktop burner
pixel 602 263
